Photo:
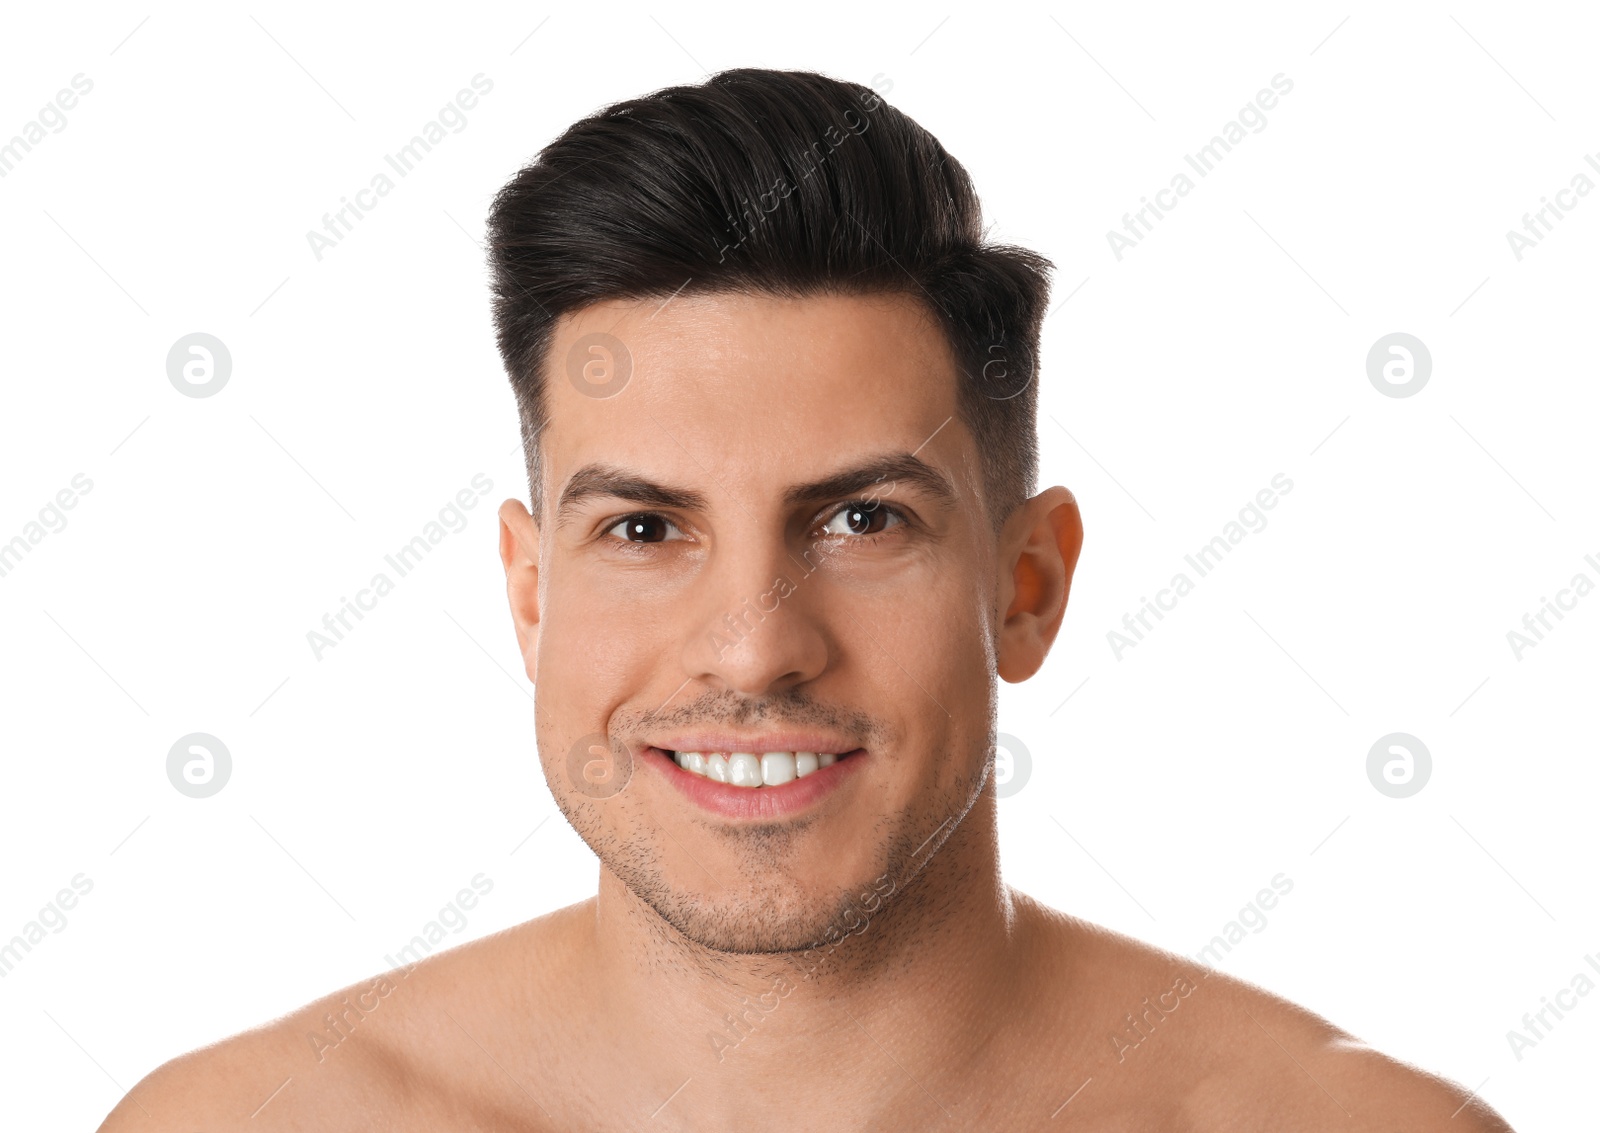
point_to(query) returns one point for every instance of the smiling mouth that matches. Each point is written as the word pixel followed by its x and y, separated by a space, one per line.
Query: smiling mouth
pixel 753 770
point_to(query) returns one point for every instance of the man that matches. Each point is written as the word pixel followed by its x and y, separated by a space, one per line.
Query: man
pixel 778 399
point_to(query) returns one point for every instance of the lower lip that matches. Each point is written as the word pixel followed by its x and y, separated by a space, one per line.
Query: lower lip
pixel 754 803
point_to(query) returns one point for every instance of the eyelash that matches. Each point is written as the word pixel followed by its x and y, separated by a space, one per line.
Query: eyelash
pixel 822 520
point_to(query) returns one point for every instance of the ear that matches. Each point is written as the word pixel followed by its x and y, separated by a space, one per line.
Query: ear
pixel 1039 545
pixel 519 551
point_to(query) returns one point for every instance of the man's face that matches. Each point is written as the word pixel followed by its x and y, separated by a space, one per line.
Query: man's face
pixel 772 539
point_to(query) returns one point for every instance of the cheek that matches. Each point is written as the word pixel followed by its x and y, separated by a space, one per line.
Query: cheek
pixel 595 650
pixel 596 655
pixel 941 616
pixel 596 637
pixel 948 651
pixel 926 651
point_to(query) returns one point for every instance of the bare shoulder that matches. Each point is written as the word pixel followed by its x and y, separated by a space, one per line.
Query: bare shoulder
pixel 394 1051
pixel 1197 1049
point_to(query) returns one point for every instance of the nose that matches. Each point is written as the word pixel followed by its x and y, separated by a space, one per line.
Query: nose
pixel 755 628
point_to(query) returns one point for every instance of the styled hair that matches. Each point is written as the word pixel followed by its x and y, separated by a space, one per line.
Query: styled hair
pixel 785 183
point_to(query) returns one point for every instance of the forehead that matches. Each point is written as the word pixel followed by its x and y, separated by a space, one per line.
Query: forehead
pixel 742 391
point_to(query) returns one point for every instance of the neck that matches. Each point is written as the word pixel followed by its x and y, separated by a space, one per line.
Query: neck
pixel 923 980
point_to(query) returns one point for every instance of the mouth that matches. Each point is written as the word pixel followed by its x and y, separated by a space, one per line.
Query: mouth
pixel 753 770
pixel 762 785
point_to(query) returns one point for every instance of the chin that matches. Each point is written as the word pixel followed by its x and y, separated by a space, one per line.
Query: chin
pixel 758 920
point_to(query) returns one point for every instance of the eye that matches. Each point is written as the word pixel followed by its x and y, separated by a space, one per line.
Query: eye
pixel 646 527
pixel 861 517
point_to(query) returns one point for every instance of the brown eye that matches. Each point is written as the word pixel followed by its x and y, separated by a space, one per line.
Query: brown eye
pixel 644 528
pixel 861 517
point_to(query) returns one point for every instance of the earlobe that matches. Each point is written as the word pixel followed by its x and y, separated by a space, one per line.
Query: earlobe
pixel 519 553
pixel 1039 581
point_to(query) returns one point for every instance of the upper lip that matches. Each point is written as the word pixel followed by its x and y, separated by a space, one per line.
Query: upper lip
pixel 763 742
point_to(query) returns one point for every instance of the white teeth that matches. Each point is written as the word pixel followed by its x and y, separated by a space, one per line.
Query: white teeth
pixel 777 768
pixel 748 769
pixel 744 769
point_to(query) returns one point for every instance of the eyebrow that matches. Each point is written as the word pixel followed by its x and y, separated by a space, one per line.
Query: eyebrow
pixel 613 481
pixel 895 467
pixel 610 480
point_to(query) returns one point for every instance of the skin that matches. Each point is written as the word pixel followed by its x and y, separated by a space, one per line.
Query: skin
pixel 954 1002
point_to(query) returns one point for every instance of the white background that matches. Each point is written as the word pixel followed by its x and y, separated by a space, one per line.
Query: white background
pixel 1229 346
